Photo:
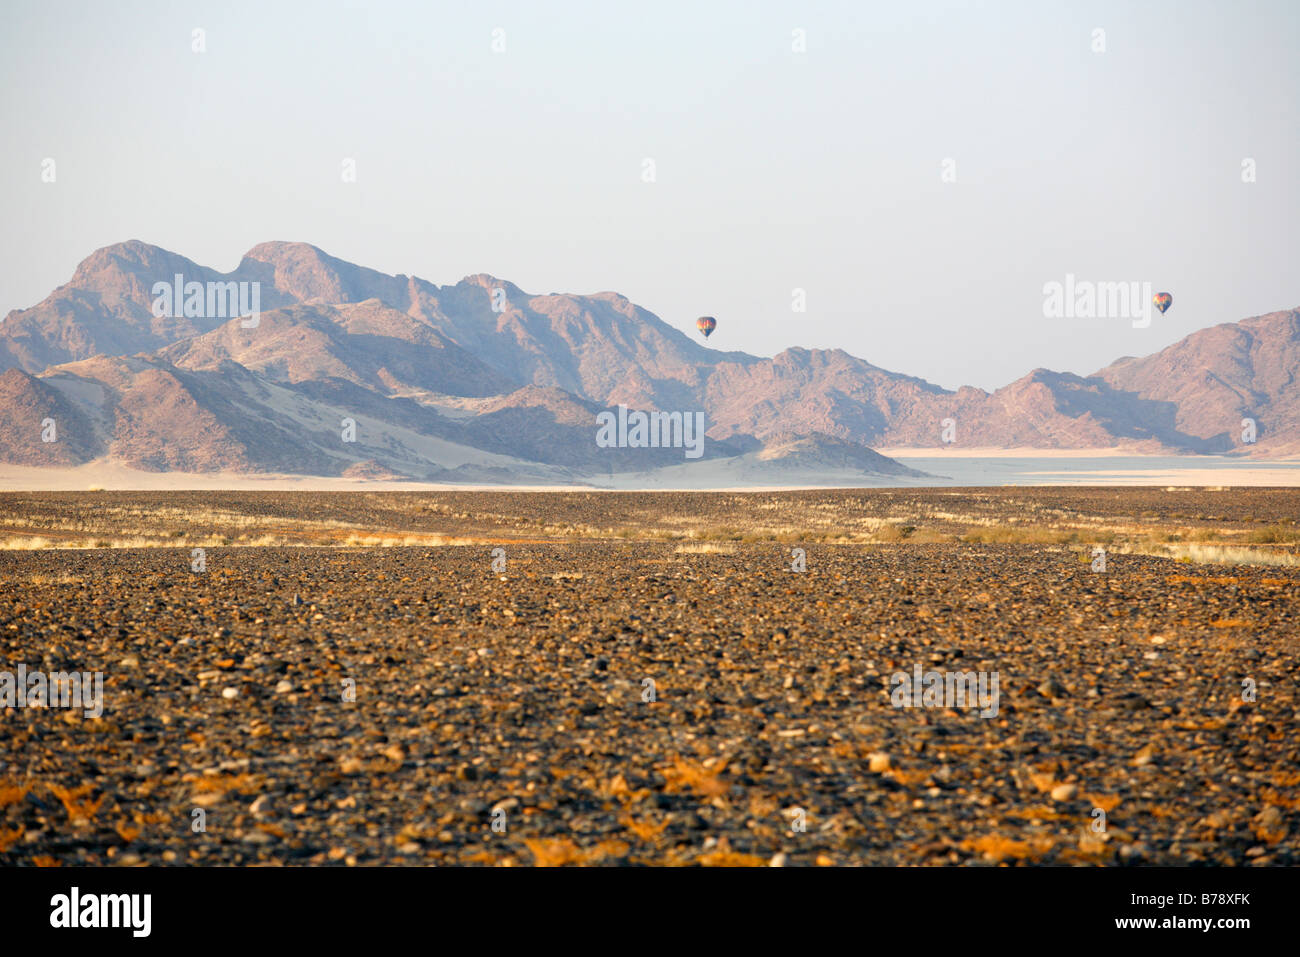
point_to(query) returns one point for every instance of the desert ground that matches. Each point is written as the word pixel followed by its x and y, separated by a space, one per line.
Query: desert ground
pixel 606 678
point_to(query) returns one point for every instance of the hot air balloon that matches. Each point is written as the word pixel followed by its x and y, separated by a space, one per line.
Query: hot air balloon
pixel 706 325
pixel 1162 301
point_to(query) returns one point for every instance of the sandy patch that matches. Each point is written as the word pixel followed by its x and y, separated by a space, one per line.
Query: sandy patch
pixel 990 452
pixel 113 476
pixel 1221 478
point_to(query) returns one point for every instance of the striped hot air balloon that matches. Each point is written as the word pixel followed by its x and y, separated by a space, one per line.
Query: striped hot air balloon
pixel 1162 301
pixel 706 325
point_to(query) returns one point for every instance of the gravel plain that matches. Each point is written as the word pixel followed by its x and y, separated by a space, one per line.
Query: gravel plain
pixel 647 681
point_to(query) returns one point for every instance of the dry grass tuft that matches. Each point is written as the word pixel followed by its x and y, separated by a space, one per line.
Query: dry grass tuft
pixel 997 848
pixel 682 776
pixel 645 830
pixel 721 858
pixel 72 800
pixel 561 851
pixel 1034 535
pixel 1202 554
pixel 11 794
pixel 126 832
pixel 705 549
pixel 7 838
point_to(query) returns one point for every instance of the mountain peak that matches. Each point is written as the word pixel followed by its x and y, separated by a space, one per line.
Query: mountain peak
pixel 309 274
pixel 133 256
pixel 488 281
pixel 278 250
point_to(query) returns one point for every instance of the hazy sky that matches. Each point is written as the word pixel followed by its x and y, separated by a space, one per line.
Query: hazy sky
pixel 774 169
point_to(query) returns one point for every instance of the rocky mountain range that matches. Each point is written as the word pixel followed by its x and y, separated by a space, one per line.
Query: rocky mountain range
pixel 152 360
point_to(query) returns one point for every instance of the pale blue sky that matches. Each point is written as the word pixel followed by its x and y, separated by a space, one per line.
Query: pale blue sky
pixel 775 170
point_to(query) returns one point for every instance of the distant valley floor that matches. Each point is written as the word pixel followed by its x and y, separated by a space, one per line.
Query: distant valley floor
pixel 959 468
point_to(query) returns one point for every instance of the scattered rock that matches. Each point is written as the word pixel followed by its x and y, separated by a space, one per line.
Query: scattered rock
pixel 772 692
pixel 1065 792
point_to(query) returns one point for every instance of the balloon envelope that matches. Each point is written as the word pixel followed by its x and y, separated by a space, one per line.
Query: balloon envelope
pixel 706 325
pixel 1163 301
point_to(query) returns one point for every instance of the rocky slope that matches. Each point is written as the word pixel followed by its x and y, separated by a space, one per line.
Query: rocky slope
pixel 481 375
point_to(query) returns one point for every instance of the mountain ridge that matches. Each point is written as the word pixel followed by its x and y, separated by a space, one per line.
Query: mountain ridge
pixel 482 375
